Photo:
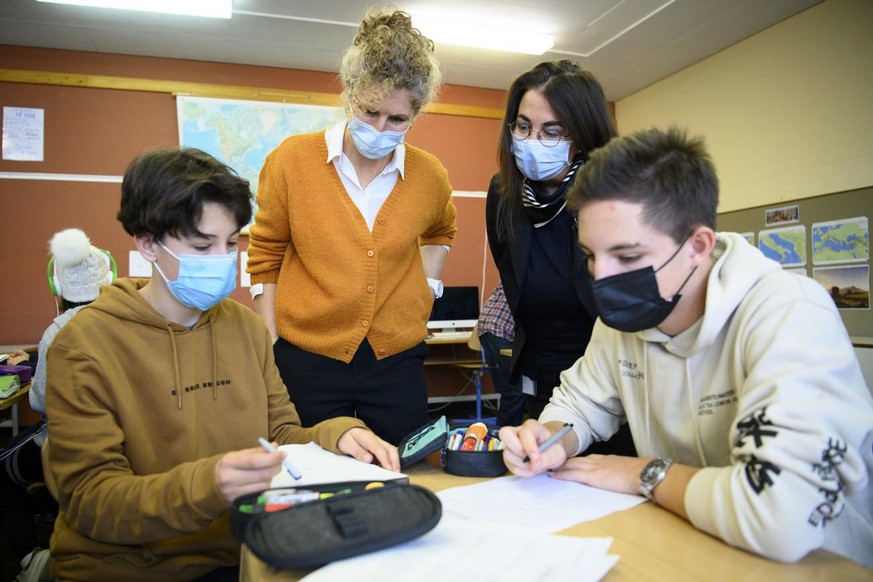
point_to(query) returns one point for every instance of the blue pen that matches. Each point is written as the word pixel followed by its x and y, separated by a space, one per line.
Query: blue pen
pixel 292 470
pixel 553 439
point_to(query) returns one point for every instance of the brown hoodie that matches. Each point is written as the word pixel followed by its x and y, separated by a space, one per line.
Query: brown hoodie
pixel 140 410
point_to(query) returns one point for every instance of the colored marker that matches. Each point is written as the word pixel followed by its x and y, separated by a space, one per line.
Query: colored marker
pixel 292 470
pixel 553 439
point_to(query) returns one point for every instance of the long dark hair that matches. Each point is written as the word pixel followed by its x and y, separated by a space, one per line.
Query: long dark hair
pixel 581 107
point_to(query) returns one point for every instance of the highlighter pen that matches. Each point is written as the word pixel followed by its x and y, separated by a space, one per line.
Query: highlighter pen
pixel 292 470
pixel 553 439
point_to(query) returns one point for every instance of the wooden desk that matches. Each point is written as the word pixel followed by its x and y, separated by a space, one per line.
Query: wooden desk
pixel 12 402
pixel 653 544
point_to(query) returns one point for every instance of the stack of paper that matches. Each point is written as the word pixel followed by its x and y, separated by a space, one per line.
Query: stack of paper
pixel 317 466
pixel 499 530
pixel 455 551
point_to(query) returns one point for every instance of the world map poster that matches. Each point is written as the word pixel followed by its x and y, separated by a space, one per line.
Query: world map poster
pixel 841 241
pixel 242 133
pixel 786 245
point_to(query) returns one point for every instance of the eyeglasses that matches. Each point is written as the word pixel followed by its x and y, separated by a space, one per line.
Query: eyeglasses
pixel 549 136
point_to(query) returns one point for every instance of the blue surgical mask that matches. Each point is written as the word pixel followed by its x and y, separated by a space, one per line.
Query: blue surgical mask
pixel 203 280
pixel 372 143
pixel 538 162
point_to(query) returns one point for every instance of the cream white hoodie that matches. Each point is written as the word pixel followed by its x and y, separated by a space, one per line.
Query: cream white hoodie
pixel 764 392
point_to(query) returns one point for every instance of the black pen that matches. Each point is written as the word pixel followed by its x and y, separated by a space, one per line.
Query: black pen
pixel 553 439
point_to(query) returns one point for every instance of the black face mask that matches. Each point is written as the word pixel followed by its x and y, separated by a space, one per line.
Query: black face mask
pixel 631 301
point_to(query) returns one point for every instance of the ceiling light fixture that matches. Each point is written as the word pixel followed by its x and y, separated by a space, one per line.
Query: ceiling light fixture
pixel 486 37
pixel 210 8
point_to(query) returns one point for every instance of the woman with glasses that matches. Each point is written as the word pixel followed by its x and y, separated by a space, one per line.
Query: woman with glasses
pixel 556 114
pixel 350 237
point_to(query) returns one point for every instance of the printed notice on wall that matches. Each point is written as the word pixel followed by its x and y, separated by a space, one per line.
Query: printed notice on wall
pixel 23 134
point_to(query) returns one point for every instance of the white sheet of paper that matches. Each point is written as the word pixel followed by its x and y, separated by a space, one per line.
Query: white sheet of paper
pixel 455 551
pixel 540 503
pixel 320 466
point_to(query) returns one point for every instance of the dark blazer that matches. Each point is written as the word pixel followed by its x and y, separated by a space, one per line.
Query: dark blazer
pixel 512 258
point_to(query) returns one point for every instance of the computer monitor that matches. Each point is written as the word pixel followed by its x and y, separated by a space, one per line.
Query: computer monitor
pixel 458 308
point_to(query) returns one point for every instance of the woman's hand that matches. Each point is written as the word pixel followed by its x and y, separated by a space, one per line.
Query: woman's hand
pixel 365 446
pixel 17 357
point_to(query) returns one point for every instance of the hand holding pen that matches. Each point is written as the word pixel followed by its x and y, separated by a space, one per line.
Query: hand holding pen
pixel 292 470
pixel 552 439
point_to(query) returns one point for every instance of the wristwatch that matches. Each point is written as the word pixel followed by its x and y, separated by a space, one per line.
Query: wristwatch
pixel 651 476
pixel 436 286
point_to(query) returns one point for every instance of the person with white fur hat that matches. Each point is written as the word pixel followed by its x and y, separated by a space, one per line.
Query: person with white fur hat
pixel 76 271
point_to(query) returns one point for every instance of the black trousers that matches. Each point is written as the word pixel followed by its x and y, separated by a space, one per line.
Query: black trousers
pixel 390 395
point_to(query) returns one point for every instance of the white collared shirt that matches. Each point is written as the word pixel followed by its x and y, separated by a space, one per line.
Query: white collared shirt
pixel 369 200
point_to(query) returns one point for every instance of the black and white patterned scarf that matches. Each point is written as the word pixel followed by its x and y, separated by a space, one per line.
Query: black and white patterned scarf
pixel 541 207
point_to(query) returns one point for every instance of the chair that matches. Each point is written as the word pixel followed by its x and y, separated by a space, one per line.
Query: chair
pixel 478 370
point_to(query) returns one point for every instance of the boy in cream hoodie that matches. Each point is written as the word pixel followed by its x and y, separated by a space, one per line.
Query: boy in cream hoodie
pixel 738 380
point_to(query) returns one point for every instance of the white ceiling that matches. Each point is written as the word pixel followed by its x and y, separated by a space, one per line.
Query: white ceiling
pixel 628 44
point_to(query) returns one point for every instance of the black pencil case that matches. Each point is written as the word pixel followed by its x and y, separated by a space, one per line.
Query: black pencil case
pixel 348 521
pixel 435 436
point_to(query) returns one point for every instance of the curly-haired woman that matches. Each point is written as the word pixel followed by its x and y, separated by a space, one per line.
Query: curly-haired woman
pixel 350 237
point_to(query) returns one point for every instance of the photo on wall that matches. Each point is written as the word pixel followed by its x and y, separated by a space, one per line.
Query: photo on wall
pixel 848 286
pixel 783 215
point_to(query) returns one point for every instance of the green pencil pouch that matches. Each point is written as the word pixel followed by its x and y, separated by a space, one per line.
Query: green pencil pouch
pixel 436 436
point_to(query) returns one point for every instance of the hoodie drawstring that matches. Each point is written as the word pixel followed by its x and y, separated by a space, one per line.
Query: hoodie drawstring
pixel 698 442
pixel 646 399
pixel 214 359
pixel 175 351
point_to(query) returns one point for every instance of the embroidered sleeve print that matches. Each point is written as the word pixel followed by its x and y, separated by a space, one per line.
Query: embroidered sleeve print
pixel 758 472
pixel 833 503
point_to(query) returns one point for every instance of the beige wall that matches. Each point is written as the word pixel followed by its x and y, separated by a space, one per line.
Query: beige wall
pixel 787 113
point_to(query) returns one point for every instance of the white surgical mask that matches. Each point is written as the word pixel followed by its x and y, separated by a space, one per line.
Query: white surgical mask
pixel 372 143
pixel 538 162
pixel 203 280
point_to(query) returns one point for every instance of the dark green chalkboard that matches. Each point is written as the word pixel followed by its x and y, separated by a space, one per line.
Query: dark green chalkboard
pixel 838 206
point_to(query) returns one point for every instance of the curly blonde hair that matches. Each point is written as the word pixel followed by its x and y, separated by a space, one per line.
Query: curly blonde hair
pixel 388 54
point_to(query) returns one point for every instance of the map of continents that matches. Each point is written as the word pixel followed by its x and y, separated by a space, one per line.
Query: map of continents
pixel 242 133
pixel 841 241
pixel 784 245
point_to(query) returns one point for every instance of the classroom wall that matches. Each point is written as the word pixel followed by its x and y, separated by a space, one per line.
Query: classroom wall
pixel 96 131
pixel 786 113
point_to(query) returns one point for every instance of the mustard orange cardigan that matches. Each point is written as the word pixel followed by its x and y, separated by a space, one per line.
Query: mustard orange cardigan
pixel 338 283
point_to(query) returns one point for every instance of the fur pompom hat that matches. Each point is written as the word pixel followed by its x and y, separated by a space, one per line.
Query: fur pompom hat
pixel 79 267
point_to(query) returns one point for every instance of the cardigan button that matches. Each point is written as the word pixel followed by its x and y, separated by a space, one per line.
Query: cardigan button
pixel 369 288
pixel 365 323
pixel 370 253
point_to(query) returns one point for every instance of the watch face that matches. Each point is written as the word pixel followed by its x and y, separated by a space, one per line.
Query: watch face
pixel 652 470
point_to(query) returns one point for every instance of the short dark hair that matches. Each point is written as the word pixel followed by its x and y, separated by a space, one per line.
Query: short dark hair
pixel 163 192
pixel 670 174
pixel 580 106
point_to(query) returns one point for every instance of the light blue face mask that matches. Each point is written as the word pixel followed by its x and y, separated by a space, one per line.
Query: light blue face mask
pixel 539 162
pixel 372 143
pixel 203 280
